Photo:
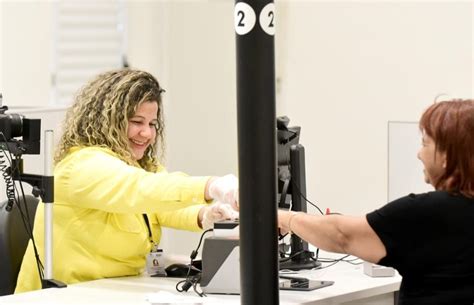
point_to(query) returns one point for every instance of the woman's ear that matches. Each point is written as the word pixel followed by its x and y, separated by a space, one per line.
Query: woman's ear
pixel 443 156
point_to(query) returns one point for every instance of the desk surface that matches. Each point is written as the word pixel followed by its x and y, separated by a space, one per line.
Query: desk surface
pixel 350 284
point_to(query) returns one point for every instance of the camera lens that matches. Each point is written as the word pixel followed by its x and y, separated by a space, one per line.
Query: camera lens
pixel 16 122
pixel 11 125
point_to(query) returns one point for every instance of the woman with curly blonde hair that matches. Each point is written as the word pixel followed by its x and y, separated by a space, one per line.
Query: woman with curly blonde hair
pixel 99 116
pixel 112 196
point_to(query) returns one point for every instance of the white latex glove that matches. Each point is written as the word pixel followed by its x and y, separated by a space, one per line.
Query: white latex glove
pixel 225 189
pixel 216 212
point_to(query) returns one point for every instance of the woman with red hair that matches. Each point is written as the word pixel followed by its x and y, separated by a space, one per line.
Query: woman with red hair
pixel 427 237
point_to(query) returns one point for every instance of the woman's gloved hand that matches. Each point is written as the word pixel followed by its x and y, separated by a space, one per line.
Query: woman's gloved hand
pixel 216 212
pixel 225 189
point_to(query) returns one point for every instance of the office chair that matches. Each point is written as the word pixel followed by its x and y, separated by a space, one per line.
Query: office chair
pixel 13 242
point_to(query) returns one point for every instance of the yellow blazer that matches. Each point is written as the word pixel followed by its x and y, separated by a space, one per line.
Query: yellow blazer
pixel 99 229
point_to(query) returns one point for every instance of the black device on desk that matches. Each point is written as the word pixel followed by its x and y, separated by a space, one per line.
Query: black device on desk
pixel 292 190
pixel 181 270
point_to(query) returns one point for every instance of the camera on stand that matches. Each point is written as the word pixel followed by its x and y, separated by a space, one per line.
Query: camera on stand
pixel 14 126
pixel 18 136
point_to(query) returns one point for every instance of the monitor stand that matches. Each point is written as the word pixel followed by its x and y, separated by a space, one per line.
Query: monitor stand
pixel 303 265
pixel 300 257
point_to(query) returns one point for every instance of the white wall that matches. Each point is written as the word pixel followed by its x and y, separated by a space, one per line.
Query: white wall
pixel 25 40
pixel 344 69
pixel 190 48
pixel 147 29
pixel 349 68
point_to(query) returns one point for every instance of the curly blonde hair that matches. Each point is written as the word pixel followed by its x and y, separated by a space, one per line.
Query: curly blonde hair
pixel 100 114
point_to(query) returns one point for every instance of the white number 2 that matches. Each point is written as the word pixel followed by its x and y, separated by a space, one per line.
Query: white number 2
pixel 244 18
pixel 267 19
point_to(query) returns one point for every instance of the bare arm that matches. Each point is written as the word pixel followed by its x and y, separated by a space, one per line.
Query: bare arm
pixel 335 233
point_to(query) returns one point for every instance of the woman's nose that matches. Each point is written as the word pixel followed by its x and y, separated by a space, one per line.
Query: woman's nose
pixel 146 132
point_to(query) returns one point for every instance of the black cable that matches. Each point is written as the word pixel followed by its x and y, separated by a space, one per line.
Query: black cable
pixel 337 260
pixel 308 201
pixel 316 256
pixel 192 281
pixel 195 252
pixel 27 223
pixel 9 184
pixel 25 219
pixel 293 184
pixel 179 289
pixel 30 230
pixel 197 281
pixel 353 261
pixel 11 192
pixel 292 256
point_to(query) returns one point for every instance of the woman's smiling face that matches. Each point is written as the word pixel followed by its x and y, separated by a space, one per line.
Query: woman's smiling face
pixel 142 128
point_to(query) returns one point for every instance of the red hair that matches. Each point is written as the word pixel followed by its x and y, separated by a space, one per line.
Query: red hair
pixel 451 125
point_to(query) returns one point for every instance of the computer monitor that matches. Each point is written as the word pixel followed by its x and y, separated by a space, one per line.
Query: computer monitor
pixel 286 138
pixel 292 190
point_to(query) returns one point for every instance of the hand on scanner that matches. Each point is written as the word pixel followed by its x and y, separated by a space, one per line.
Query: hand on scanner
pixel 216 212
pixel 225 189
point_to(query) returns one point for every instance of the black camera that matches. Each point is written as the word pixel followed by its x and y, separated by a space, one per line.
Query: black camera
pixel 19 135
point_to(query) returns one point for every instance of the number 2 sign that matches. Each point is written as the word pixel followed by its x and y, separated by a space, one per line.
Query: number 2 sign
pixel 245 18
pixel 267 16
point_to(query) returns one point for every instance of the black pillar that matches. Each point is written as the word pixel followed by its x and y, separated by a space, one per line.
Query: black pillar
pixel 254 26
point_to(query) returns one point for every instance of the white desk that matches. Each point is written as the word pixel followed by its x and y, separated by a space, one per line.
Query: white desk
pixel 351 285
